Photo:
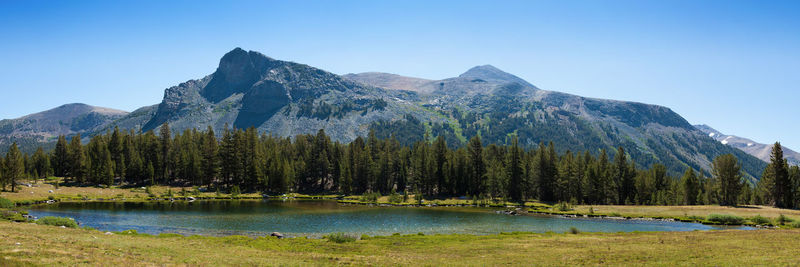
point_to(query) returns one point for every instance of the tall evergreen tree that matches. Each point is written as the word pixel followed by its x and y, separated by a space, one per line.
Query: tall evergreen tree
pixel 210 157
pixel 623 177
pixel 60 159
pixel 165 140
pixel 440 156
pixel 41 163
pixel 14 166
pixel 515 172
pixel 477 179
pixel 76 158
pixel 115 147
pixel 726 172
pixel 781 190
pixel 690 186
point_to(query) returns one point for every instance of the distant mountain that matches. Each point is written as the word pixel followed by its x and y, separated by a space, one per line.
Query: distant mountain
pixel 44 127
pixel 759 150
pixel 389 81
pixel 249 89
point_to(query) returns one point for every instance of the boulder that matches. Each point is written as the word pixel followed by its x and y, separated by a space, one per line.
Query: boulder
pixel 276 234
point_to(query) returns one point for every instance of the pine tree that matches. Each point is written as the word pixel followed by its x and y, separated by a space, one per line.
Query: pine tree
pixel 514 187
pixel 115 147
pixel 210 156
pixel 76 159
pixel 440 157
pixel 41 163
pixel 781 190
pixel 690 186
pixel 726 172
pixel 165 138
pixel 14 166
pixel 623 178
pixel 477 179
pixel 60 159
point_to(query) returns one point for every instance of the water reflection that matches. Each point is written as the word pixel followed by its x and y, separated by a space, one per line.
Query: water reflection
pixel 318 217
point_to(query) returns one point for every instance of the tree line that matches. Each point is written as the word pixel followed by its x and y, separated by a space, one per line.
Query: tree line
pixel 257 162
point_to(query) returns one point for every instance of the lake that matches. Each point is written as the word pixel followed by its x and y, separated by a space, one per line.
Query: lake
pixel 318 217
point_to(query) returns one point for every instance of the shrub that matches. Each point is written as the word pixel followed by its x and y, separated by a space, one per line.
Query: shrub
pixel 129 232
pixel 591 210
pixel 796 224
pixel 395 198
pixel 6 204
pixel 235 192
pixel 783 219
pixel 57 221
pixel 340 238
pixel 370 197
pixel 364 237
pixel 574 231
pixel 760 220
pixel 697 218
pixel 563 206
pixel 725 219
pixel 11 216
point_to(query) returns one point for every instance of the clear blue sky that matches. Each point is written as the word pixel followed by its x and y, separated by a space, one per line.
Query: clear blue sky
pixel 734 65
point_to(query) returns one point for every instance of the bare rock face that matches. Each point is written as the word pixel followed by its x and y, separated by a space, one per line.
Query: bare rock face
pixel 261 103
pixel 237 72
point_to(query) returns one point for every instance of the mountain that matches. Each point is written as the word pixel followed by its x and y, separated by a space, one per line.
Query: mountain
pixel 487 101
pixel 389 81
pixel 249 89
pixel 44 127
pixel 758 150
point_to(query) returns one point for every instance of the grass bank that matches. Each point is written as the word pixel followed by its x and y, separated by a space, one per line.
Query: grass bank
pixel 41 191
pixel 25 243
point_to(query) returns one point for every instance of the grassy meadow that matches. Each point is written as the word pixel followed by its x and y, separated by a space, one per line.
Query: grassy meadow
pixel 30 244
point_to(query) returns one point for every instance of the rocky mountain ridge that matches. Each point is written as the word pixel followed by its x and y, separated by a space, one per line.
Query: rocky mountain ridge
pixel 758 150
pixel 249 89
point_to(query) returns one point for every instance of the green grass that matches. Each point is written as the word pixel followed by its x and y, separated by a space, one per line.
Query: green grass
pixel 31 244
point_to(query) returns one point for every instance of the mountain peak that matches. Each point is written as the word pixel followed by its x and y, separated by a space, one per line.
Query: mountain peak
pixel 237 71
pixel 492 73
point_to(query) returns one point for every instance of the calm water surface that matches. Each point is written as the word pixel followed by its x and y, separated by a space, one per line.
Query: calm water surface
pixel 316 218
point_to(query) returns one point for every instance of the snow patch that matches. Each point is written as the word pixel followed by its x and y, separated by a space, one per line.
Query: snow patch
pixel 711 134
pixel 749 144
pixel 724 142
